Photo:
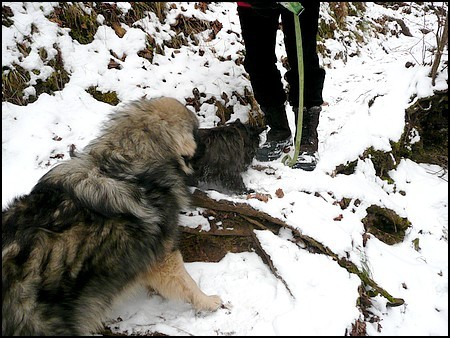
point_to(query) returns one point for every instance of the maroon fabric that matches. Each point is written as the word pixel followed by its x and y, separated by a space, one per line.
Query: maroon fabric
pixel 244 4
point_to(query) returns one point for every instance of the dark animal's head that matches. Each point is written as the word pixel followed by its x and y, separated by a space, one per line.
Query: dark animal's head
pixel 224 153
pixel 250 135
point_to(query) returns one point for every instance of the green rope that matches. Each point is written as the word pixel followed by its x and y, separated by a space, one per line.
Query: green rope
pixel 296 8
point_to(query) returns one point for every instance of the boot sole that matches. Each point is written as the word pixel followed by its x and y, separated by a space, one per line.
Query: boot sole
pixel 285 150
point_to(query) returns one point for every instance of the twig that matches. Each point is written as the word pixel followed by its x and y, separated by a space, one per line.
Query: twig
pixel 270 263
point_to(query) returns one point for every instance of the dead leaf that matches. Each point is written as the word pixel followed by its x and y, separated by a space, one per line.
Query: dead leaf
pixel 279 193
pixel 259 196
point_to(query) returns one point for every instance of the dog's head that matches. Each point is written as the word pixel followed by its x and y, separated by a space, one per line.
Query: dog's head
pixel 147 131
pixel 182 126
pixel 223 153
pixel 250 135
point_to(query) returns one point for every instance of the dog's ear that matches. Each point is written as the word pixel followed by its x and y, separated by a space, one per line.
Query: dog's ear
pixel 255 129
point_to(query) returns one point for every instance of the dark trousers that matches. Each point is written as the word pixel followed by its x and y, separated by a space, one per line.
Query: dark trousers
pixel 259 29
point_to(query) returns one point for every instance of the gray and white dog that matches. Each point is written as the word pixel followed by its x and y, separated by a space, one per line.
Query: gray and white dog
pixel 101 223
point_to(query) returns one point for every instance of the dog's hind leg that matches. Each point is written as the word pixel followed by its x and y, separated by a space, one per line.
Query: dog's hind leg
pixel 171 280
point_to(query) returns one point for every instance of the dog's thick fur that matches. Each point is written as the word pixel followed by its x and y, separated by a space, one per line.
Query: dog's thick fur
pixel 102 222
pixel 223 154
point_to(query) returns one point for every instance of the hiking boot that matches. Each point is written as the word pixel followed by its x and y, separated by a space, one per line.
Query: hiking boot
pixel 310 136
pixel 306 161
pixel 278 137
pixel 308 156
pixel 272 150
pixel 276 119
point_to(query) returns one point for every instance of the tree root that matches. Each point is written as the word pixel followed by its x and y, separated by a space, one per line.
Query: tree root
pixel 261 220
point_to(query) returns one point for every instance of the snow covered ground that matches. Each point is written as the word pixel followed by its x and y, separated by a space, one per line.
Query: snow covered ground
pixel 324 295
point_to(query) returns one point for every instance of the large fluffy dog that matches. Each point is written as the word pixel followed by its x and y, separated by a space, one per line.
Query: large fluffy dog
pixel 223 154
pixel 102 222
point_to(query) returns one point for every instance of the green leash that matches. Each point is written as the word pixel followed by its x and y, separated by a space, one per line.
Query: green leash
pixel 297 9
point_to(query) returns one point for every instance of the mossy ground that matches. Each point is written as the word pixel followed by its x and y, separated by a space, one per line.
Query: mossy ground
pixel 385 224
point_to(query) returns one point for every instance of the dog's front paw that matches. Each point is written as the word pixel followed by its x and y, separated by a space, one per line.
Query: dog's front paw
pixel 208 303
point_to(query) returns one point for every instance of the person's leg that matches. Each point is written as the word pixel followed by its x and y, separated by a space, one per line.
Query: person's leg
pixel 259 30
pixel 314 77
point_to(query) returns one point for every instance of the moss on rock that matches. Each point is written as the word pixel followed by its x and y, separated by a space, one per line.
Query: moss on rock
pixel 385 224
pixel 108 97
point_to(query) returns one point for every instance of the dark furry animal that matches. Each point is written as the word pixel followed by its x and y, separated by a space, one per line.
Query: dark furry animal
pixel 223 154
pixel 100 223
